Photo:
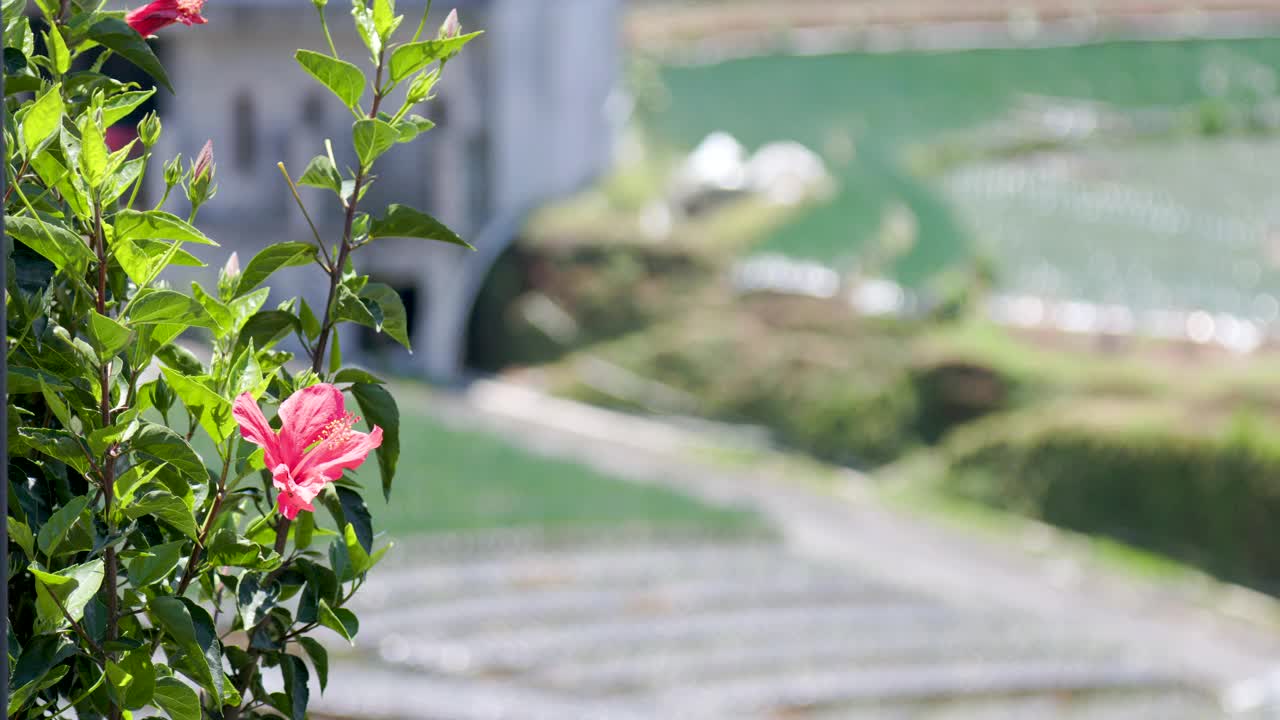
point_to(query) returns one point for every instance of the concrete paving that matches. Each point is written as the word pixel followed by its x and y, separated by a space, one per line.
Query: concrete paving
pixel 854 610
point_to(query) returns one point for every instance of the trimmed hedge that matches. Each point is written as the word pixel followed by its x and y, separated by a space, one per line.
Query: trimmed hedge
pixel 844 389
pixel 1211 499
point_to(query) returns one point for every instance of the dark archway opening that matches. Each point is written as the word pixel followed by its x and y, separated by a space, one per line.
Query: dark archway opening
pixel 497 338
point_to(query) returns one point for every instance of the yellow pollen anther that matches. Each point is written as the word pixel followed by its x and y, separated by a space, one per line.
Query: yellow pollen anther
pixel 338 430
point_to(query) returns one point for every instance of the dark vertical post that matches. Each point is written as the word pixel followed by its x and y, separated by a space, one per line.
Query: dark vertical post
pixel 4 435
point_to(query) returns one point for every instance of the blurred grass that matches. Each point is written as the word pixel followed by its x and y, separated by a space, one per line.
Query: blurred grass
pixel 452 480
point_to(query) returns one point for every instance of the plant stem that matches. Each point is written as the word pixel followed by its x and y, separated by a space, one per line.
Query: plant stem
pixel 422 23
pixel 101 655
pixel 335 273
pixel 298 199
pixel 192 562
pixel 111 571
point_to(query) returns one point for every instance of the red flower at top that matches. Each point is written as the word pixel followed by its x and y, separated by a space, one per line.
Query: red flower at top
pixel 162 13
pixel 314 445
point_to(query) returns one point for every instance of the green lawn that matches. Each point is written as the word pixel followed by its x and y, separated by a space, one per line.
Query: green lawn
pixel 453 480
pixel 887 105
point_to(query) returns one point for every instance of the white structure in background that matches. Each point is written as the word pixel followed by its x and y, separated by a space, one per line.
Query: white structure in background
pixel 784 173
pixel 522 118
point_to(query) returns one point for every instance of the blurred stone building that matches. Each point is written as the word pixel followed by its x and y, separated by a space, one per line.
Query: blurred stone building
pixel 523 116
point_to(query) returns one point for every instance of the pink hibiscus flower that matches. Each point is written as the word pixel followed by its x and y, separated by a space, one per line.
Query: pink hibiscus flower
pixel 314 446
pixel 162 13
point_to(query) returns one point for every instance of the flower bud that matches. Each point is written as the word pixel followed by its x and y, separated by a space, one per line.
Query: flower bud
pixel 201 189
pixel 451 28
pixel 229 278
pixel 204 161
pixel 320 4
pixel 232 268
pixel 149 129
pixel 420 88
pixel 173 171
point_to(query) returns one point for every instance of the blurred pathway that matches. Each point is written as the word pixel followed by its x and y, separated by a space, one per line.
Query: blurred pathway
pixel 856 611
pixel 509 627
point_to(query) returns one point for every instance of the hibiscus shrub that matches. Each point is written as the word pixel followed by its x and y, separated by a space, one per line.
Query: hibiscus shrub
pixel 127 546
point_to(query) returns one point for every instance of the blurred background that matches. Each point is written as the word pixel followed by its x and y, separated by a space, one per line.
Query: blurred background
pixel 818 358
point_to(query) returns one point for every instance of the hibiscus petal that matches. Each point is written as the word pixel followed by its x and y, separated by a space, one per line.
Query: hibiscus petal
pixel 254 427
pixel 293 497
pixel 305 415
pixel 326 461
pixel 291 503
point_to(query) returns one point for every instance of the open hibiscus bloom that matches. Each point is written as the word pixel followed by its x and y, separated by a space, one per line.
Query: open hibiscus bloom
pixel 162 13
pixel 314 446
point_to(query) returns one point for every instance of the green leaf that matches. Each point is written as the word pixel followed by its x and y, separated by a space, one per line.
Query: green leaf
pixel 164 505
pixel 403 221
pixel 413 126
pixel 39 666
pixel 266 328
pixel 121 180
pixel 271 259
pixel 412 57
pixel 57 50
pixel 365 27
pixel 155 225
pixel 21 535
pixel 55 529
pixel 310 323
pixel 356 375
pixel 180 359
pixel 295 685
pixel 253 600
pixel 351 308
pixel 243 307
pixel 379 408
pixel 220 313
pixel 133 679
pixel 341 621
pixel 114 33
pixel 93 152
pixel 65 249
pixel 385 20
pixel 168 306
pixel 191 628
pixel 154 564
pixel 117 107
pixel 59 445
pixel 372 138
pixel 107 336
pixel 394 319
pixel 42 119
pixel 55 404
pixel 357 518
pixel 319 658
pixel 178 700
pixel 142 260
pixel 322 174
pixel 131 480
pixel 342 78
pixel 227 548
pixel 246 374
pixel 164 445
pixel 71 587
pixel 356 553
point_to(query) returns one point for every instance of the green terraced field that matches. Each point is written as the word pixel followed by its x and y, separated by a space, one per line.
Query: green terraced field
pixel 890 104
